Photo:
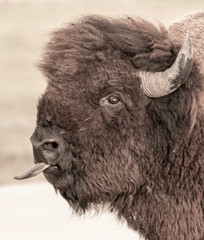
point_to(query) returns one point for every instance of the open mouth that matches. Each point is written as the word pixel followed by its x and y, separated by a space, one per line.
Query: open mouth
pixel 34 171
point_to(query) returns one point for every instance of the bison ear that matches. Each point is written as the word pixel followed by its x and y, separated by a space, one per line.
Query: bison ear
pixel 159 84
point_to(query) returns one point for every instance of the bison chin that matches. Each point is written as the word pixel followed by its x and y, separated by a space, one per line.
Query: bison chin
pixel 75 191
pixel 67 187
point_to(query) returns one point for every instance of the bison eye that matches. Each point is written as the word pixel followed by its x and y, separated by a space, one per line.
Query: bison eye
pixel 113 100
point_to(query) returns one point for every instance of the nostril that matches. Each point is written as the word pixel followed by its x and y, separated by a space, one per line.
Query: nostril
pixel 50 145
pixel 49 151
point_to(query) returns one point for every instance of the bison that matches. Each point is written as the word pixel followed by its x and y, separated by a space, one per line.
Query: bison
pixel 121 122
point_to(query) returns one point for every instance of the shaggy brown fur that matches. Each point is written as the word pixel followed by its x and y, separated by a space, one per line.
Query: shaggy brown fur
pixel 143 157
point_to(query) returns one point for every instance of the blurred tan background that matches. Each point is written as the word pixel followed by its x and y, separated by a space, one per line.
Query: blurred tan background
pixel 24 29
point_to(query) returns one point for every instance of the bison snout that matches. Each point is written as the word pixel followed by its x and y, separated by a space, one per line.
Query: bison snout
pixel 47 146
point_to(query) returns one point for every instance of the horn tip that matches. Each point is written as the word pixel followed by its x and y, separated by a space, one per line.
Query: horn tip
pixel 187 36
pixel 187 46
pixel 187 40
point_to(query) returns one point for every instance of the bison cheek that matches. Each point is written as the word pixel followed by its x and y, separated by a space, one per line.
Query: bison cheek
pixel 112 118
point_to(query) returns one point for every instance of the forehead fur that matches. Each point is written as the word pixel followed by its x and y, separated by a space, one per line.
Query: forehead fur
pixel 97 39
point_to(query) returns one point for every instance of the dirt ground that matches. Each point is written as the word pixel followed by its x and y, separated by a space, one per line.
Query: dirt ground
pixel 32 210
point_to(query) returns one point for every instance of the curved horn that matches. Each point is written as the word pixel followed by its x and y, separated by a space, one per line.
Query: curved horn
pixel 159 84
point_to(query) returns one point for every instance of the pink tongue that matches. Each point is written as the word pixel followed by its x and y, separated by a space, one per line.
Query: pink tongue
pixel 35 170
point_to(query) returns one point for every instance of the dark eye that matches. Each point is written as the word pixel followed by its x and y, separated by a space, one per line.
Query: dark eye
pixel 113 100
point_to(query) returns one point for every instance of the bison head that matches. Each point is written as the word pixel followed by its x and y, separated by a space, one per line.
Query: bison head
pixel 103 125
